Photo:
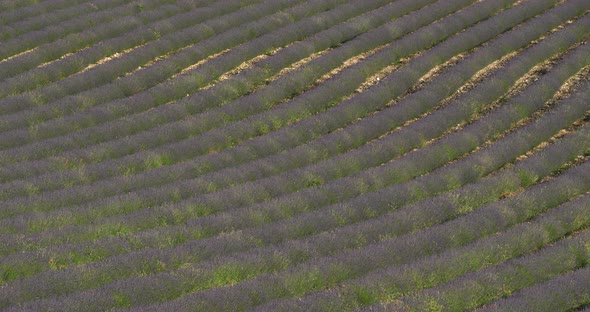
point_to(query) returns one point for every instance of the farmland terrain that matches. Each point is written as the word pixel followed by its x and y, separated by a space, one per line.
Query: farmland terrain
pixel 291 155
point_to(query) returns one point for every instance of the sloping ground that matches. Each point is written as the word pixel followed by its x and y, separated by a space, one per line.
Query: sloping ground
pixel 290 155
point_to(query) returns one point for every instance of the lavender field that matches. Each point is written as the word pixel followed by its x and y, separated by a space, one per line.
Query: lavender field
pixel 291 155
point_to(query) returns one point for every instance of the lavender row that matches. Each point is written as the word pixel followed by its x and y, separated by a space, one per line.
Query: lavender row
pixel 222 274
pixel 512 240
pixel 226 25
pixel 123 128
pixel 201 76
pixel 317 273
pixel 163 235
pixel 364 132
pixel 211 68
pixel 230 270
pixel 400 139
pixel 565 292
pixel 506 278
pixel 157 25
pixel 54 42
pixel 171 37
pixel 392 112
pixel 550 194
pixel 13 170
pixel 231 242
pixel 575 146
pixel 301 225
pixel 92 213
pixel 286 207
pixel 257 72
pixel 15 11
pixel 260 125
pixel 303 104
pixel 51 17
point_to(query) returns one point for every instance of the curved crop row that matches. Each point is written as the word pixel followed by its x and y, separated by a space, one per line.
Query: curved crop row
pixel 295 155
pixel 145 195
pixel 479 287
pixel 77 72
pixel 111 21
pixel 324 273
pixel 102 171
pixel 294 227
pixel 460 201
pixel 572 187
pixel 404 137
pixel 13 11
pixel 259 18
pixel 567 291
pixel 50 18
pixel 200 76
pixel 390 284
